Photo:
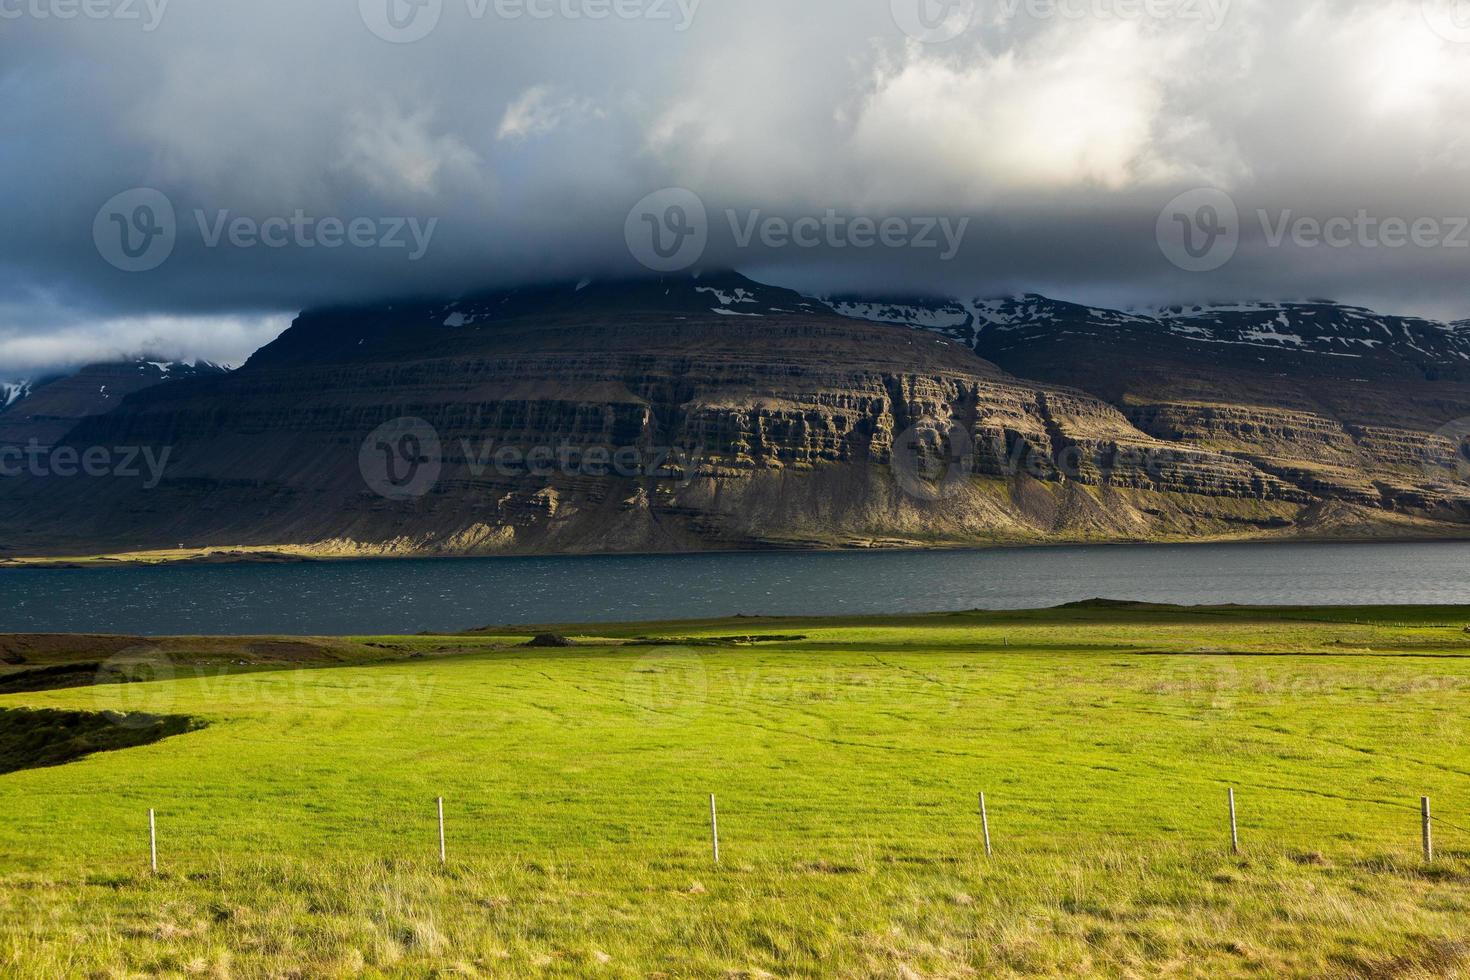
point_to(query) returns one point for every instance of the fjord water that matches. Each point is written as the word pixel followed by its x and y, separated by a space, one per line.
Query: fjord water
pixel 380 597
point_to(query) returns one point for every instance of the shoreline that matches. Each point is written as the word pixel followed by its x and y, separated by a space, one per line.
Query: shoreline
pixel 303 555
pixel 734 631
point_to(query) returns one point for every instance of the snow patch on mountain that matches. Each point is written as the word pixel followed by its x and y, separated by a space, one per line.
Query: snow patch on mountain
pixel 1315 327
pixel 736 296
pixel 465 314
pixel 731 298
pixel 939 315
pixel 12 392
pixel 167 369
pixel 973 317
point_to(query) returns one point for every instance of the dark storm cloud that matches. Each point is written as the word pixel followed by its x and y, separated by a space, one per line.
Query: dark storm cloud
pixel 309 153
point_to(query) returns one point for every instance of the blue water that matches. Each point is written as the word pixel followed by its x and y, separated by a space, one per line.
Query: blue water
pixel 370 597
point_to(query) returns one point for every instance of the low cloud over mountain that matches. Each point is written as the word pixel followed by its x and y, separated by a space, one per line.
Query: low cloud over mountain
pixel 338 152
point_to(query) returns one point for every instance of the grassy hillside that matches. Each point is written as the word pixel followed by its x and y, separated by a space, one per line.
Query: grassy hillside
pixel 298 831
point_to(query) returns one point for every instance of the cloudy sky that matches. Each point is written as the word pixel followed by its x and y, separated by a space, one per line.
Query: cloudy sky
pixel 183 175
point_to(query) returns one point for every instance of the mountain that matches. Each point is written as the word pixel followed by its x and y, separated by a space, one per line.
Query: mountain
pixel 714 412
pixel 48 409
pixel 1003 327
pixel 12 392
pixel 1346 403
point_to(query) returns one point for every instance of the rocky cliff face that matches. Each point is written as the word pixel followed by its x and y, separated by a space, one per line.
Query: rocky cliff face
pixel 1344 404
pixel 691 414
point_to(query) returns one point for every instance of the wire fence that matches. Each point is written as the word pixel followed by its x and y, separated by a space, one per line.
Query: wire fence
pixel 1231 812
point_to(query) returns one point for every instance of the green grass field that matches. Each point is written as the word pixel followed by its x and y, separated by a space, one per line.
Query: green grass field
pixel 298 836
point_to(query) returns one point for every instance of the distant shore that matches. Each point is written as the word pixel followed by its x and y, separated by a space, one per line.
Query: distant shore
pixel 312 553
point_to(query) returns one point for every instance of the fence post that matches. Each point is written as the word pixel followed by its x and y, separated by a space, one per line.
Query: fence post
pixel 1428 831
pixel 1234 828
pixel 714 828
pixel 985 823
pixel 442 855
pixel 152 841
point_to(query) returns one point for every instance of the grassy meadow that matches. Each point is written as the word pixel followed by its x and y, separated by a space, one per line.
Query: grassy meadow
pixel 298 833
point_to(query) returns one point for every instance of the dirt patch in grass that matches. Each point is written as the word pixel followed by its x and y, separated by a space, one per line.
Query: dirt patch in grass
pixel 712 641
pixel 49 678
pixel 33 648
pixel 21 652
pixel 550 641
pixel 271 651
pixel 39 739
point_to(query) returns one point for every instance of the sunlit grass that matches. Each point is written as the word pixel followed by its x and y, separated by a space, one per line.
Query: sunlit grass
pixel 298 832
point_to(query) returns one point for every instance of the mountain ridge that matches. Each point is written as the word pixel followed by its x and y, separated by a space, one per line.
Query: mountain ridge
pixel 765 419
pixel 45 410
pixel 1313 326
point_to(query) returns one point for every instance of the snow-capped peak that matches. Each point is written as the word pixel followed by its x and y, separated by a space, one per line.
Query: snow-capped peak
pixel 1313 327
pixel 970 318
pixel 12 392
pixel 166 369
